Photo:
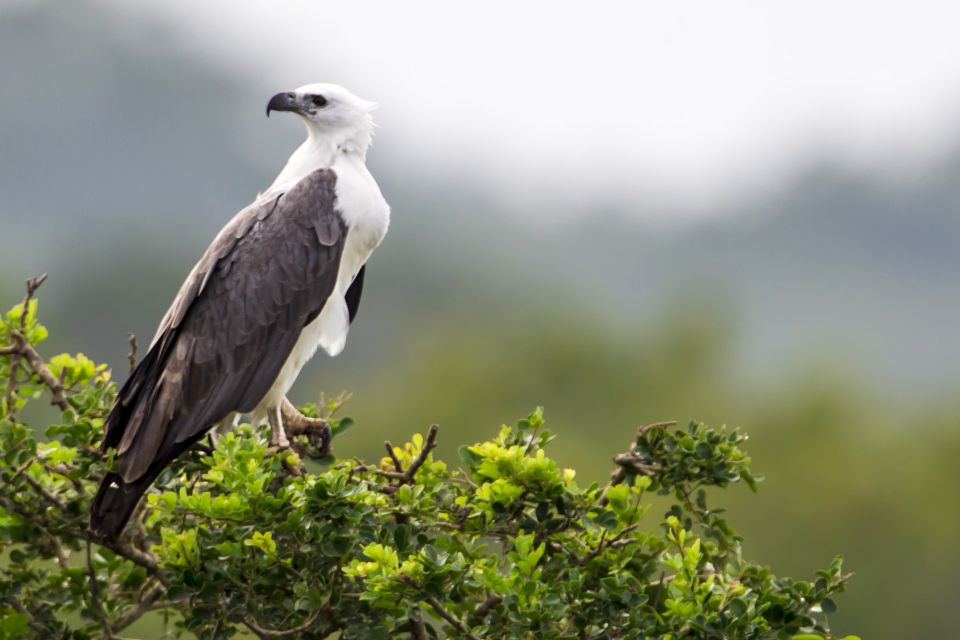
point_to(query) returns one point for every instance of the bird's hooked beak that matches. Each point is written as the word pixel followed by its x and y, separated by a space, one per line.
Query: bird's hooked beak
pixel 284 102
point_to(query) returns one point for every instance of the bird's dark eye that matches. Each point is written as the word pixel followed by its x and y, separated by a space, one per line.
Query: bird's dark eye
pixel 319 101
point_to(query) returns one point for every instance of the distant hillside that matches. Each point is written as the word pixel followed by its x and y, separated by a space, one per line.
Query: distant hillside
pixel 121 155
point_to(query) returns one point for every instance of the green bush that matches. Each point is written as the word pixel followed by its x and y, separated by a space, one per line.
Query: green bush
pixel 236 540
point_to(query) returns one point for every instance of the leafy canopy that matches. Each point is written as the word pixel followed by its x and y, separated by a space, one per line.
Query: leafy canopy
pixel 236 540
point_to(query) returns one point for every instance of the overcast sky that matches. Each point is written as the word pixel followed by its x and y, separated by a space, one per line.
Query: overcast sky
pixel 689 102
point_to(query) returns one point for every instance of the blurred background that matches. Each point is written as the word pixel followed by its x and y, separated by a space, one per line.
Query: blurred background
pixel 740 212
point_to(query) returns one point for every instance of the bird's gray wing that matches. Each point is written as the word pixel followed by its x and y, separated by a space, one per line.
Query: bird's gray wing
pixel 231 328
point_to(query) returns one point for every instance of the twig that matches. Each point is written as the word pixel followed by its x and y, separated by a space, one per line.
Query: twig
pixel 62 559
pixel 406 476
pixel 446 615
pixel 624 460
pixel 124 549
pixel 265 632
pixel 636 463
pixel 147 603
pixel 95 602
pixel 484 608
pixel 62 470
pixel 438 608
pixel 18 606
pixel 49 497
pixel 614 542
pixel 418 628
pixel 25 349
pixel 16 350
pixel 19 472
pixel 335 405
pixel 533 435
pixel 132 356
pixel 665 424
pixel 137 556
pixel 393 456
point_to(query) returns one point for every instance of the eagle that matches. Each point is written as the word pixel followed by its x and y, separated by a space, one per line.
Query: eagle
pixel 281 279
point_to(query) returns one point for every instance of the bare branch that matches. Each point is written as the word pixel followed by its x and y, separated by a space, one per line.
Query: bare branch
pixel 132 356
pixel 438 608
pixel 49 497
pixel 264 632
pixel 95 604
pixel 613 543
pixel 484 608
pixel 631 461
pixel 25 349
pixel 19 472
pixel 148 602
pixel 406 477
pixel 16 350
pixel 418 627
pixel 393 456
pixel 137 556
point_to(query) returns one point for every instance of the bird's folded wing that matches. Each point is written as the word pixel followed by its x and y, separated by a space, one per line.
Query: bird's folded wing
pixel 236 319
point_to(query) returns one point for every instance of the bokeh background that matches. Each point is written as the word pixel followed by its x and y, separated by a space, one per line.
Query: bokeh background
pixel 739 212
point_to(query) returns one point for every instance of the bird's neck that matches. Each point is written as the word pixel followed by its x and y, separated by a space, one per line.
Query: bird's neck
pixel 322 150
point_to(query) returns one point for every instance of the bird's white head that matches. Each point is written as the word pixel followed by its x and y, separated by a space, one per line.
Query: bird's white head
pixel 331 113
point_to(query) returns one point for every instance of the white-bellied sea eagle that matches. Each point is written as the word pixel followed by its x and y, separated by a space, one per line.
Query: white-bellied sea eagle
pixel 282 278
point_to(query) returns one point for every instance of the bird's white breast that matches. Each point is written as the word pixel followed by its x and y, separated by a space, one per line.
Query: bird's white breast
pixel 367 216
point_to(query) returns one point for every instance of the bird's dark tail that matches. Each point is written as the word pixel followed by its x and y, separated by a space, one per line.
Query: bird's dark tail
pixel 116 499
pixel 115 502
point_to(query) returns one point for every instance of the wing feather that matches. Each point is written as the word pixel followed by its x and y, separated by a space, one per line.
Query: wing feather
pixel 232 326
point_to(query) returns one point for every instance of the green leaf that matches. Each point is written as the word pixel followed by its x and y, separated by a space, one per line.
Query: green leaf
pixel 468 456
pixel 15 624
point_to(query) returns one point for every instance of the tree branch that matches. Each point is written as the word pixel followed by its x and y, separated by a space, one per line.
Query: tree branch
pixel 95 604
pixel 26 350
pixel 49 497
pixel 406 476
pixel 265 632
pixel 484 608
pixel 438 608
pixel 631 461
pixel 16 350
pixel 132 356
pixel 147 603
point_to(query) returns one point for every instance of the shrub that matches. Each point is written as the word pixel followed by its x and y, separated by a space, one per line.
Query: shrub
pixel 235 539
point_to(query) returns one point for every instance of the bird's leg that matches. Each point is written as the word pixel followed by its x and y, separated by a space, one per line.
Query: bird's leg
pixel 278 435
pixel 316 429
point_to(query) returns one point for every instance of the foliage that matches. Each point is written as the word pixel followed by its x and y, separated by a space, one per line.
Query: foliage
pixel 236 539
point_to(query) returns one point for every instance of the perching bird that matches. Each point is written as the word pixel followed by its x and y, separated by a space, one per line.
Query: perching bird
pixel 282 278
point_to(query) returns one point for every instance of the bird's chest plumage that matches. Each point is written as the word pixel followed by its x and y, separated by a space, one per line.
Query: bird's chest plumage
pixel 366 214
